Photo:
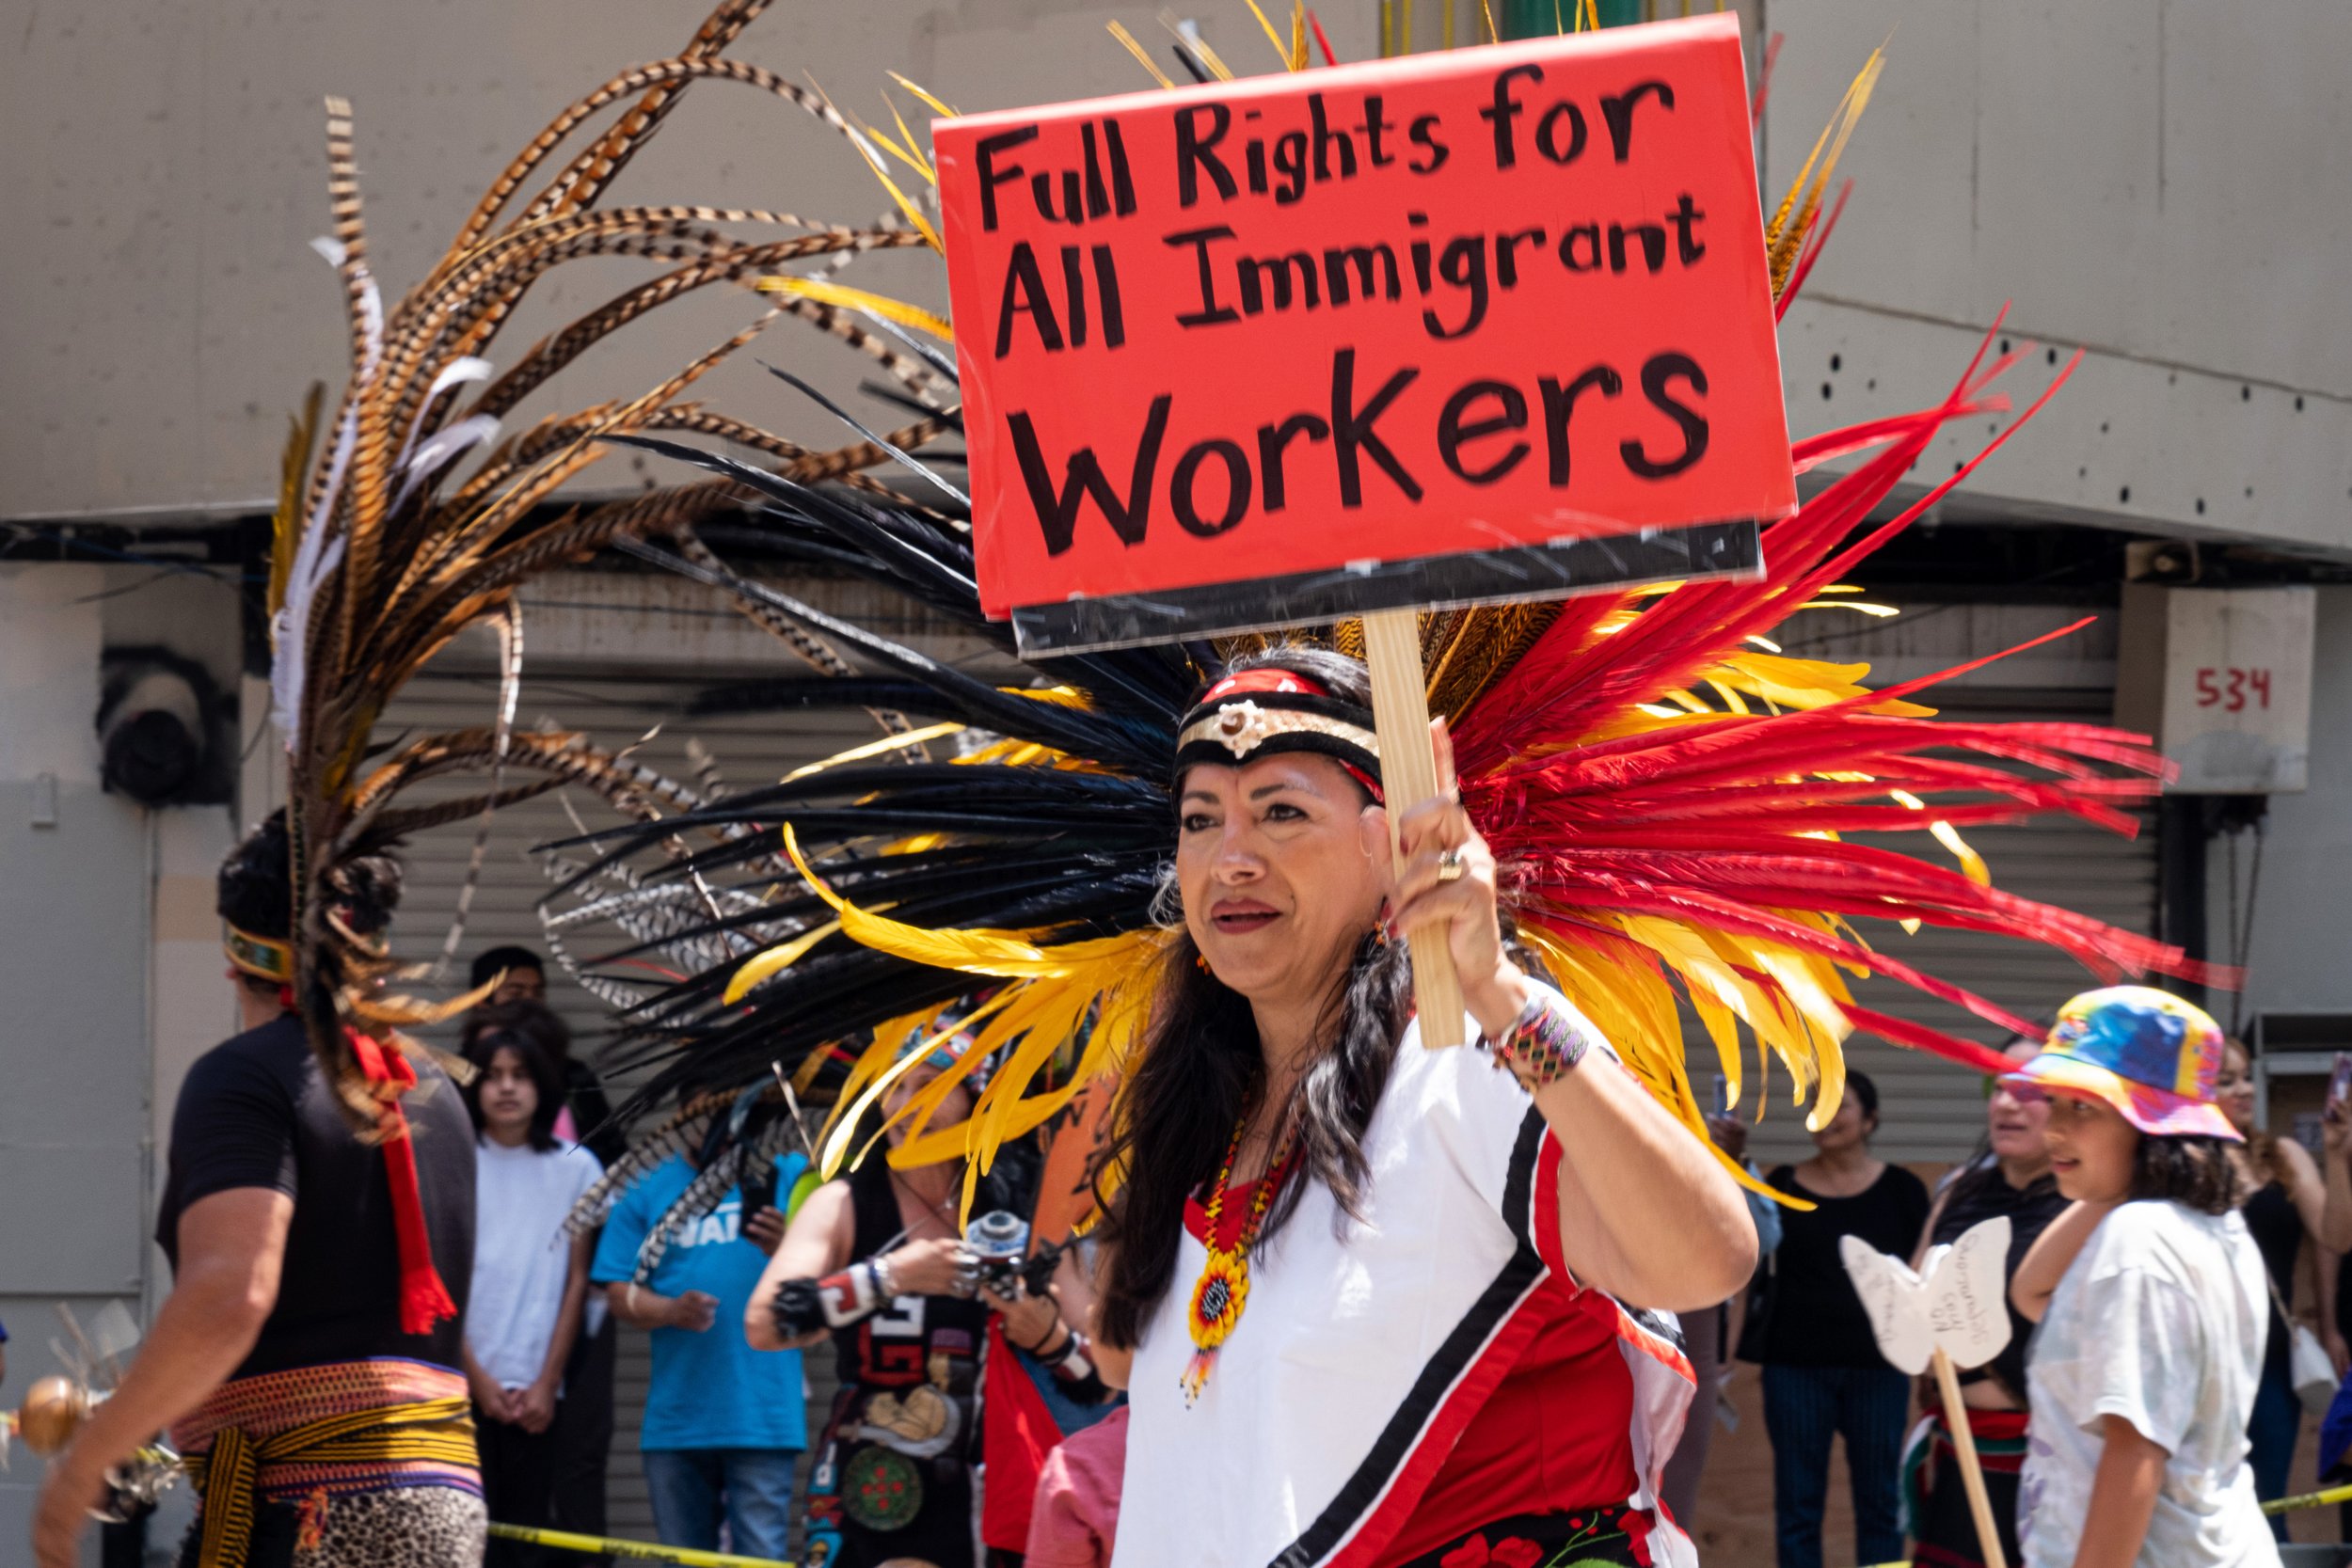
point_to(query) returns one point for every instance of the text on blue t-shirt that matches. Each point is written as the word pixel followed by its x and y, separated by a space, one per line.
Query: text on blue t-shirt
pixel 711 1389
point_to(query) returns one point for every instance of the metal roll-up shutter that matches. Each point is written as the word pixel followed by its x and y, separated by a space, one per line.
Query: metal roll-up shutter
pixel 1931 1112
pixel 616 707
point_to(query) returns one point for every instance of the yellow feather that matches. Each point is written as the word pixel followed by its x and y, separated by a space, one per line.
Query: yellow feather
pixel 899 310
pixel 986 1024
pixel 874 749
pixel 1971 864
pixel 1005 954
pixel 1783 235
pixel 914 146
pixel 1142 58
pixel 926 96
pixel 906 206
pixel 774 960
pixel 909 154
pixel 836 1145
pixel 878 1054
pixel 1831 1091
pixel 1271 35
pixel 905 941
pixel 1653 1052
pixel 836 1148
pixel 1805 683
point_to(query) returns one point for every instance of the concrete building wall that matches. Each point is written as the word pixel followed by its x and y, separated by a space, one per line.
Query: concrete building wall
pixel 74 1052
pixel 161 307
pixel 2297 943
pixel 2152 179
pixel 2159 183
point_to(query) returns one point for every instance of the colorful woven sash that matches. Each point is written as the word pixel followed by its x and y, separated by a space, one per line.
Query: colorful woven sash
pixel 342 1428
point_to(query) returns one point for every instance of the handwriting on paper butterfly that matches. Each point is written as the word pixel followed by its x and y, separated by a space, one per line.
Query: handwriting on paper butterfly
pixel 1956 1302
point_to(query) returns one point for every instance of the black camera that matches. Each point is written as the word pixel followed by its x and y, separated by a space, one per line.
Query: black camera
pixel 760 1189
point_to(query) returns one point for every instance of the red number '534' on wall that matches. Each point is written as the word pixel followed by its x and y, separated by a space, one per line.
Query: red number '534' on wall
pixel 2233 690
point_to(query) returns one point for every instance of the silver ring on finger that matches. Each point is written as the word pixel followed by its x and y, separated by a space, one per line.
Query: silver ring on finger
pixel 1450 866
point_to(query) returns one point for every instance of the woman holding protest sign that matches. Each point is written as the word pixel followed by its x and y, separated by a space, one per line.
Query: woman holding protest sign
pixel 1376 1303
pixel 1421 1245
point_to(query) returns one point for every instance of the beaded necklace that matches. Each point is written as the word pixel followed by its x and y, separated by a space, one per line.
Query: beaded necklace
pixel 1223 1289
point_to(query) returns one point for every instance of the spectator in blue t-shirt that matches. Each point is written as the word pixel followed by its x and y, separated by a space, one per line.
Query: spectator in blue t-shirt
pixel 723 1422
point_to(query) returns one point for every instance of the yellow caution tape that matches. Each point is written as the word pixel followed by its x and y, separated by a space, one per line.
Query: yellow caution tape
pixel 2311 1499
pixel 605 1545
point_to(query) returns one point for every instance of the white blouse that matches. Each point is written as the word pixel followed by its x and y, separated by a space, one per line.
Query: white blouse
pixel 1360 1357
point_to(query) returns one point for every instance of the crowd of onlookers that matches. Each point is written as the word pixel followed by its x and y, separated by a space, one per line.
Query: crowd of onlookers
pixel 724 1427
pixel 1823 1378
pixel 725 1424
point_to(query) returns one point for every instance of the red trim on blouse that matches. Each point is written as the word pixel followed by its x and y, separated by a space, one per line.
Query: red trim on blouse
pixel 1541 1420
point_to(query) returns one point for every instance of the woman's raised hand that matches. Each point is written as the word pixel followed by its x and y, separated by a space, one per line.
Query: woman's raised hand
pixel 1448 876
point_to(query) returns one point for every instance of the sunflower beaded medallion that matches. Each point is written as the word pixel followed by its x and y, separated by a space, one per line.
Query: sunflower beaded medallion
pixel 1223 1288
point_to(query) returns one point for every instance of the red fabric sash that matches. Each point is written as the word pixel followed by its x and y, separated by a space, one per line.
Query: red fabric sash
pixel 424 1299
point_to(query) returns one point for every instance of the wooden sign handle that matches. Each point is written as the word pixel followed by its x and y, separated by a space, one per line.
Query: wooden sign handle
pixel 1409 776
pixel 1971 1472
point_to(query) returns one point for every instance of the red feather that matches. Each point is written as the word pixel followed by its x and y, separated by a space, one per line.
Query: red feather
pixel 1713 821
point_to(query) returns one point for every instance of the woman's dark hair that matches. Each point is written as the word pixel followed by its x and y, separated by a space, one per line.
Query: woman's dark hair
pixel 2262 1145
pixel 481 1049
pixel 254 892
pixel 1864 1093
pixel 1199 1070
pixel 2196 1173
pixel 533 1020
pixel 489 965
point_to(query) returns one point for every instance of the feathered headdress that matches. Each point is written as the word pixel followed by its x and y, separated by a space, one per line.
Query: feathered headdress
pixel 416 519
pixel 1669 795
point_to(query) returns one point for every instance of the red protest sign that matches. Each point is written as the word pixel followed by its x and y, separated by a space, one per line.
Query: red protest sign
pixel 1267 329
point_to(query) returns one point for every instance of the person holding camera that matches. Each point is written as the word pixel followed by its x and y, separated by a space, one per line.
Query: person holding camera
pixel 876 1261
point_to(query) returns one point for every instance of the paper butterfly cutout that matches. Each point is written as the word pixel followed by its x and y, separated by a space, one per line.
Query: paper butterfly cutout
pixel 1959 1304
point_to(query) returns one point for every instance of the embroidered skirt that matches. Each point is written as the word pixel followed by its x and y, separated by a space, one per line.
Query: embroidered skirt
pixel 1610 1537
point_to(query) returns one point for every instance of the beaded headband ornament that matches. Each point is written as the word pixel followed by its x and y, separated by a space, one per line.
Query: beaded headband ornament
pixel 264 958
pixel 1268 710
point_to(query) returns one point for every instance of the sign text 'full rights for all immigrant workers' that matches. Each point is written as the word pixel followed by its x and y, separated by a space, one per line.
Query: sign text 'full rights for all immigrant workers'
pixel 1497 297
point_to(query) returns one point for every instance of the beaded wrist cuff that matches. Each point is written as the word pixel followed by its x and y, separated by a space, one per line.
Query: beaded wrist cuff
pixel 1543 1046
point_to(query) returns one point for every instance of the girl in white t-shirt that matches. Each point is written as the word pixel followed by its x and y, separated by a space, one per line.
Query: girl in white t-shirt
pixel 2151 1298
pixel 529 1280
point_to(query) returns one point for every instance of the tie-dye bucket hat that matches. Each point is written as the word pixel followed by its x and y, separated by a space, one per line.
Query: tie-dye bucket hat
pixel 2148 1054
